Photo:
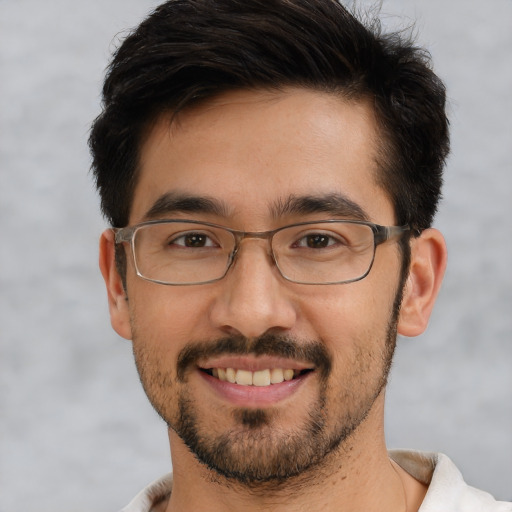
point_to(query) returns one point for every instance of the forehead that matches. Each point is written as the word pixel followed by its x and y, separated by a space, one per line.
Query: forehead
pixel 251 151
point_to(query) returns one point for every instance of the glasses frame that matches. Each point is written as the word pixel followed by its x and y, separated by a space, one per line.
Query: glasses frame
pixel 381 234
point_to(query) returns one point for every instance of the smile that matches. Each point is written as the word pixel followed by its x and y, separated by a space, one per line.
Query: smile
pixel 261 378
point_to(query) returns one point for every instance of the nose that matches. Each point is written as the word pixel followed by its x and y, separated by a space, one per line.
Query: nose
pixel 253 299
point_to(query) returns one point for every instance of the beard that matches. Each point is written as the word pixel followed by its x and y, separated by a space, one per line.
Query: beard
pixel 257 452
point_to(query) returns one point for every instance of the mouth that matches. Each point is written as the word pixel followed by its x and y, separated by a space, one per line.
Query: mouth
pixel 247 381
pixel 260 378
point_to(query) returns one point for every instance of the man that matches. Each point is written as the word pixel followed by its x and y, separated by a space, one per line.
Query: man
pixel 271 170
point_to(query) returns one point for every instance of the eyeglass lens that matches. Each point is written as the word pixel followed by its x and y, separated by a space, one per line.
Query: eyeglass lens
pixel 185 253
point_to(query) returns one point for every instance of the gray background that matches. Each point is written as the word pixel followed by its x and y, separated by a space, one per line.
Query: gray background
pixel 76 432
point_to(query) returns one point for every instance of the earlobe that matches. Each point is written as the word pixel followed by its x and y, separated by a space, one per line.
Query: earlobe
pixel 428 263
pixel 117 300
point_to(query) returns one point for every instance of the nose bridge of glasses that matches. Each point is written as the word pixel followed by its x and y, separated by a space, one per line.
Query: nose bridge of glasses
pixel 263 236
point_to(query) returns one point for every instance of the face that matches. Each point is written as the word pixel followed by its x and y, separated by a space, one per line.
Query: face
pixel 252 161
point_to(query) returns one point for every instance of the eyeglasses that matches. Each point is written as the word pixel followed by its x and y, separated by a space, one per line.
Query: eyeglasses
pixel 187 252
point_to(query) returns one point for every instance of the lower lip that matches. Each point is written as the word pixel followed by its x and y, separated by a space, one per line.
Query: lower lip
pixel 254 396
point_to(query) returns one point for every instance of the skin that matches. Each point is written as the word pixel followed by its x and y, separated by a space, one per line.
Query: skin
pixel 250 150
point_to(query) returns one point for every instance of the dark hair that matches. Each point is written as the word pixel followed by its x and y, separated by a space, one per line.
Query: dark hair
pixel 187 51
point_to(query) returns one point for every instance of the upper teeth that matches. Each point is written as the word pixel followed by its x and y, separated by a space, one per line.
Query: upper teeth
pixel 258 378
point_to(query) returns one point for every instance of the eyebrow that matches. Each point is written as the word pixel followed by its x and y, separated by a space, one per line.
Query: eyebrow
pixel 174 202
pixel 336 205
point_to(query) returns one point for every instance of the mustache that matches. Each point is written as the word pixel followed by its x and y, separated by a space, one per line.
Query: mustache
pixel 313 352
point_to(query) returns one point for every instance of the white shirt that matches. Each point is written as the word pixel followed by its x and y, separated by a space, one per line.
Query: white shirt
pixel 447 491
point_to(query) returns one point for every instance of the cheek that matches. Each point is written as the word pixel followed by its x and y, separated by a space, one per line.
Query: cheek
pixel 353 323
pixel 341 314
pixel 163 314
pixel 356 332
pixel 160 329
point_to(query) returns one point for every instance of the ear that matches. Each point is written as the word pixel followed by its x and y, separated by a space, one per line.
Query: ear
pixel 117 299
pixel 428 263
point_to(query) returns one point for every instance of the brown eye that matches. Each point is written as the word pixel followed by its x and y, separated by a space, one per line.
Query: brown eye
pixel 193 240
pixel 318 241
